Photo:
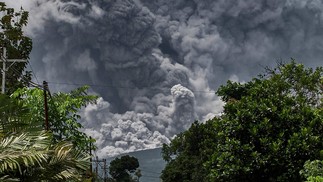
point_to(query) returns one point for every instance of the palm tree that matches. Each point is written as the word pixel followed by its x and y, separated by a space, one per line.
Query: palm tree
pixel 27 153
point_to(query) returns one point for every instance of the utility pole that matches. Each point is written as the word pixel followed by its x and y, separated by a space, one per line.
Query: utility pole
pixel 45 88
pixel 91 170
pixel 98 162
pixel 97 166
pixel 90 154
pixel 4 69
pixel 104 170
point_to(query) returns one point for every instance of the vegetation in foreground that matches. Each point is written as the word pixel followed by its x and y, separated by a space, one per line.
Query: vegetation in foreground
pixel 124 169
pixel 270 130
pixel 27 151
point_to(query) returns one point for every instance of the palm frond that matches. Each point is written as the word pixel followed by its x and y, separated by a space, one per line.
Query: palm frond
pixel 7 178
pixel 72 163
pixel 24 150
pixel 35 157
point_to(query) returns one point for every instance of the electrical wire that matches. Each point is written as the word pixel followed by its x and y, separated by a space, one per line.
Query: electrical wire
pixel 96 85
pixel 149 171
pixel 32 70
pixel 24 79
pixel 112 86
pixel 150 176
pixel 37 85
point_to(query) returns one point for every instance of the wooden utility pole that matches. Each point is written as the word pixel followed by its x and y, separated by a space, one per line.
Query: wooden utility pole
pixel 45 88
pixel 4 69
pixel 91 170
pixel 91 154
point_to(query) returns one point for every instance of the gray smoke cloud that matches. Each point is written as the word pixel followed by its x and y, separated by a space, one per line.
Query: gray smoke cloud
pixel 160 62
pixel 130 131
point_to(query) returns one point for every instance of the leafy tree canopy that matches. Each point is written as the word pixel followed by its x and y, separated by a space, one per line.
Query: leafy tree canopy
pixel 187 153
pixel 122 168
pixel 269 127
pixel 18 45
pixel 63 114
pixel 28 153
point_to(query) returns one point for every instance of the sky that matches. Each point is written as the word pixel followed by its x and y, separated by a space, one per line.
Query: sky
pixel 156 64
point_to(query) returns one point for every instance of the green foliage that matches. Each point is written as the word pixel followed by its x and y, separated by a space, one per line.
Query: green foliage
pixel 313 171
pixel 27 153
pixel 14 117
pixel 25 149
pixel 34 157
pixel 187 153
pixel 63 113
pixel 314 179
pixel 233 91
pixel 273 129
pixel 121 168
pixel 269 128
pixel 18 46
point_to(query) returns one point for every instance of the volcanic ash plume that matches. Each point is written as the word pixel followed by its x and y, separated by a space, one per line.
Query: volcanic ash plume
pixel 157 64
pixel 131 131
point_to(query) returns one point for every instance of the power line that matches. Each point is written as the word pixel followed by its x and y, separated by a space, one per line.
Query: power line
pixel 34 74
pixel 26 80
pixel 113 86
pixel 150 177
pixel 92 85
pixel 150 171
pixel 4 60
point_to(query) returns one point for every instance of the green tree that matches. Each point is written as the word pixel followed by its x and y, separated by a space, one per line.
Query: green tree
pixel 63 113
pixel 34 157
pixel 122 169
pixel 187 153
pixel 18 45
pixel 29 154
pixel 269 127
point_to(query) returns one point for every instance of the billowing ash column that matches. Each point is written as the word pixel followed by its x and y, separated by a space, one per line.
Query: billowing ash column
pixel 184 109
